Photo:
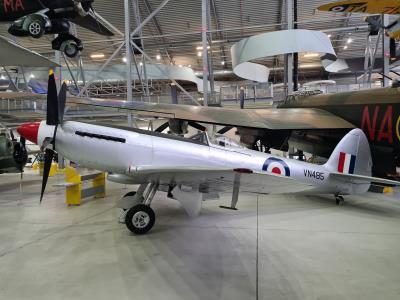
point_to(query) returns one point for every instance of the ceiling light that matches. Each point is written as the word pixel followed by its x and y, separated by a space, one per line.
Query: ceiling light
pixel 180 66
pixel 124 59
pixel 345 47
pixel 32 76
pixel 97 55
pixel 349 41
pixel 309 55
pixel 201 47
pixel 158 57
pixel 140 64
pixel 199 53
pixel 223 63
pixel 2 77
pixel 329 35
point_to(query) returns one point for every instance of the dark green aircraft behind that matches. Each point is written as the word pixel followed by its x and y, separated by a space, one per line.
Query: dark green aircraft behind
pixel 13 154
pixel 375 111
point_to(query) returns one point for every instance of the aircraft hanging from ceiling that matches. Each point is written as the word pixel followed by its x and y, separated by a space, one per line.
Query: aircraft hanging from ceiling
pixel 190 170
pixel 38 17
pixel 390 7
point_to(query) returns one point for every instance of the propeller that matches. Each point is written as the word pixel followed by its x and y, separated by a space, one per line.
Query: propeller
pixel 54 116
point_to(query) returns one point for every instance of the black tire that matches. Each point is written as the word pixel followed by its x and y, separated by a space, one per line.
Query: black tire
pixel 36 28
pixel 130 194
pixel 70 49
pixel 135 224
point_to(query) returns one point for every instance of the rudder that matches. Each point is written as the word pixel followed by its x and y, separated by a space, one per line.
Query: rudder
pixel 352 155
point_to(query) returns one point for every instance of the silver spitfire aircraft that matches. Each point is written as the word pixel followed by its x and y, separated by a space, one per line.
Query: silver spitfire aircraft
pixel 193 169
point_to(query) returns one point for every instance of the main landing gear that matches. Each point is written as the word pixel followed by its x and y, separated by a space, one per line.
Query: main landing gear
pixel 137 214
pixel 68 44
pixel 339 199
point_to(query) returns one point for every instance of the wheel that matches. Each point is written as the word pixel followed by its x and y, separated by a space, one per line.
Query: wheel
pixel 36 28
pixel 70 48
pixel 140 219
pixel 339 200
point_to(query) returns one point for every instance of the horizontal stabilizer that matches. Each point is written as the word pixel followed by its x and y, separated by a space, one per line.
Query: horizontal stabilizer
pixel 364 179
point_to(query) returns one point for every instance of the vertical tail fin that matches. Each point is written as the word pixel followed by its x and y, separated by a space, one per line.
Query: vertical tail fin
pixel 352 155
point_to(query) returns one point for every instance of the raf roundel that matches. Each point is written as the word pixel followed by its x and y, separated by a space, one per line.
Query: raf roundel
pixel 276 166
pixel 338 9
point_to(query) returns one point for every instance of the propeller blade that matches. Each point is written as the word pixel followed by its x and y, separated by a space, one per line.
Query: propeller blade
pixel 224 129
pixel 12 135
pixel 22 140
pixel 162 127
pixel 52 101
pixel 197 126
pixel 62 97
pixel 48 159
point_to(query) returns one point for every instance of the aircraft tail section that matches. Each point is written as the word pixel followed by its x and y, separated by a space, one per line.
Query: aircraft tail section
pixel 352 155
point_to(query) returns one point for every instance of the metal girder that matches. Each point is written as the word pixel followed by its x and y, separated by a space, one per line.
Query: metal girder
pixel 204 29
pixel 214 12
pixel 157 26
pixel 149 18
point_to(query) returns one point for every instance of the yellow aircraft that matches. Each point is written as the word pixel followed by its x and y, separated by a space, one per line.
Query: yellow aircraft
pixel 390 7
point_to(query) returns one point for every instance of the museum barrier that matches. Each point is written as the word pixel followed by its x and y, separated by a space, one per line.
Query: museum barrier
pixel 75 186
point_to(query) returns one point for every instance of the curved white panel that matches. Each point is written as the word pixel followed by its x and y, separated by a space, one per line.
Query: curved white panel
pixel 277 43
pixel 252 71
pixel 335 66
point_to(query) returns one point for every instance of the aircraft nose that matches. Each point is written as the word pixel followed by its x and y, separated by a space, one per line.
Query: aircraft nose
pixel 29 131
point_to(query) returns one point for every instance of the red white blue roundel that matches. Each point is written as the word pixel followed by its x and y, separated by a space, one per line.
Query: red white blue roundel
pixel 338 8
pixel 276 166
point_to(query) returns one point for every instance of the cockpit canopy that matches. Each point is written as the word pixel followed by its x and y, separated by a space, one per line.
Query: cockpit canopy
pixel 216 140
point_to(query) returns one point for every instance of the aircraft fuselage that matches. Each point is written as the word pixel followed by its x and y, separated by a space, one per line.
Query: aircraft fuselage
pixel 124 151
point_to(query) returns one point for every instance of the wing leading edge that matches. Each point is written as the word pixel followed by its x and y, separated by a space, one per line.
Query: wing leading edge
pixel 273 119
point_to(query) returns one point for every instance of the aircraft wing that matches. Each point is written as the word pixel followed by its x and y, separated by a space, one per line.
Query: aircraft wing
pixel 274 119
pixel 217 180
pixel 391 7
pixel 93 23
pixel 270 118
pixel 13 54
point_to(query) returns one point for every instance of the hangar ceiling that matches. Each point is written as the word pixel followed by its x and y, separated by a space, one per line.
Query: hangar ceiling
pixel 175 33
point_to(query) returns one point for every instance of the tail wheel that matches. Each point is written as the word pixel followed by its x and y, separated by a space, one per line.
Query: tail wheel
pixel 140 219
pixel 36 28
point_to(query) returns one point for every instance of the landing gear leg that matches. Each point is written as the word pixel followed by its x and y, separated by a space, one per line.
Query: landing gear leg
pixel 140 218
pixel 339 199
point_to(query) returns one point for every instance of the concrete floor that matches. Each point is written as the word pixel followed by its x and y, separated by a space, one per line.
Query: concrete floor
pixel 308 248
